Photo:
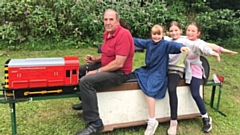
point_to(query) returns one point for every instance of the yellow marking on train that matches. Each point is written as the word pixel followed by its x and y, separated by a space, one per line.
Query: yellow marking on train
pixel 6 80
pixel 6 68
pixel 9 94
pixel 42 92
pixel 6 86
pixel 6 75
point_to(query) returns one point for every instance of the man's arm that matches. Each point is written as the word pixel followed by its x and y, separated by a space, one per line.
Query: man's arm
pixel 115 64
pixel 92 59
pixel 112 66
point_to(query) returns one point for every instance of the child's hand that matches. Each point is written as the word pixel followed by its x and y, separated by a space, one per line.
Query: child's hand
pixel 217 56
pixel 233 53
pixel 185 50
pixel 223 50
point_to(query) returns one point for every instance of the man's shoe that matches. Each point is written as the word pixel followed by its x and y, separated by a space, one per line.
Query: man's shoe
pixel 77 106
pixel 91 129
pixel 207 124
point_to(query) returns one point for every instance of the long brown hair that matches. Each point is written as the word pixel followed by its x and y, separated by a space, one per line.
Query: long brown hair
pixel 197 25
pixel 174 23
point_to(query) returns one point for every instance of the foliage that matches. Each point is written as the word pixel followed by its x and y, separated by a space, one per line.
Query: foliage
pixel 78 23
pixel 219 25
pixel 36 20
pixel 224 4
pixel 176 11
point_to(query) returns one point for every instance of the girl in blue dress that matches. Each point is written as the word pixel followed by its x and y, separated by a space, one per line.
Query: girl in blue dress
pixel 152 78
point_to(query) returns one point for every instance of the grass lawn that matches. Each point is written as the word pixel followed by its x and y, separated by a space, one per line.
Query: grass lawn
pixel 55 117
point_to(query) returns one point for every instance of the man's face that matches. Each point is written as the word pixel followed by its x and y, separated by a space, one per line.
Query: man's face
pixel 110 21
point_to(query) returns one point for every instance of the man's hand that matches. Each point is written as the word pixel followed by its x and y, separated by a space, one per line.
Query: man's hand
pixel 217 56
pixel 90 59
pixel 185 50
pixel 91 72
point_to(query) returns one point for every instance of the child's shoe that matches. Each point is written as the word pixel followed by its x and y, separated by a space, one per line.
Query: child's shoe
pixel 151 127
pixel 172 130
pixel 207 124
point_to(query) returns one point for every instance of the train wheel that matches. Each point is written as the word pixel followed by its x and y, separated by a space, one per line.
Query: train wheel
pixel 19 93
pixel 70 90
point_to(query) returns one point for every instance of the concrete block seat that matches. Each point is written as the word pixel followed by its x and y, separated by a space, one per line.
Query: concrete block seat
pixel 125 105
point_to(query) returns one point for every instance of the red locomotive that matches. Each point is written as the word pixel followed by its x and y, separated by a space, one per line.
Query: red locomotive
pixel 37 76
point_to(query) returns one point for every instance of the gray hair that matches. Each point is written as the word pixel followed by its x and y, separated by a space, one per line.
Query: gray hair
pixel 117 15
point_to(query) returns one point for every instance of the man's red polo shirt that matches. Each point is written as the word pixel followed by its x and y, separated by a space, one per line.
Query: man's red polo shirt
pixel 120 43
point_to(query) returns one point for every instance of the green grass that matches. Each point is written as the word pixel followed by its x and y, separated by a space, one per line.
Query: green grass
pixel 55 117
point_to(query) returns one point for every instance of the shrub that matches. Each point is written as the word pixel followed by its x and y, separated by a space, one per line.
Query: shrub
pixel 219 25
pixel 79 23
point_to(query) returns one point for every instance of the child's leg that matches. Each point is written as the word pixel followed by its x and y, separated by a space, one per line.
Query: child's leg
pixel 152 122
pixel 173 80
pixel 194 87
pixel 207 120
pixel 151 106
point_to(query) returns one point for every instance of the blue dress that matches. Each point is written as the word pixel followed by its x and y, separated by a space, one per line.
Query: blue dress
pixel 152 78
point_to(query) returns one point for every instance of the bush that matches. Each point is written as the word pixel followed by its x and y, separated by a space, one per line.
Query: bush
pixel 76 22
pixel 220 26
pixel 79 23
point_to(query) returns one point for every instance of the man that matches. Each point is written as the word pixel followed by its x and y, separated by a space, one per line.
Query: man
pixel 105 71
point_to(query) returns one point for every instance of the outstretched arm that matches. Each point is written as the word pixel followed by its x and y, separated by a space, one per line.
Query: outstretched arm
pixel 141 43
pixel 220 49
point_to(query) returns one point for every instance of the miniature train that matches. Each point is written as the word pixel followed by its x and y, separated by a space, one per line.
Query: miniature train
pixel 40 76
pixel 47 76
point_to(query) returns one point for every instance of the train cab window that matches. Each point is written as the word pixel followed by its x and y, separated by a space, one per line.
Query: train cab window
pixel 74 71
pixel 67 73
